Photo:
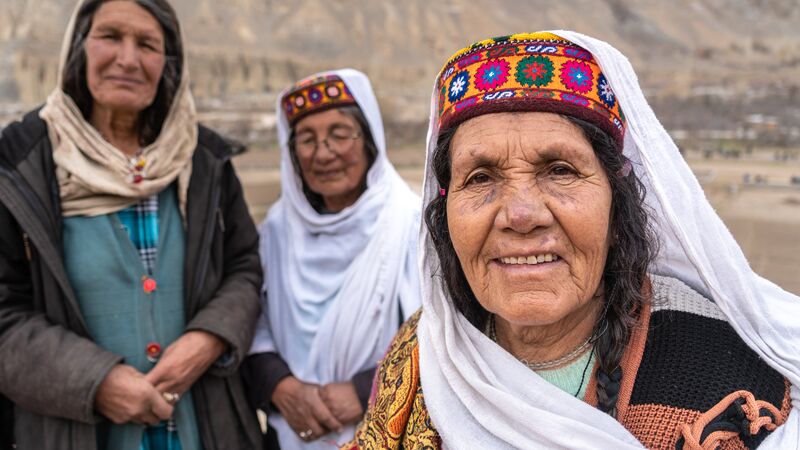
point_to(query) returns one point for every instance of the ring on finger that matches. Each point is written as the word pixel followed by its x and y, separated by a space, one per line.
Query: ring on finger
pixel 305 434
pixel 171 397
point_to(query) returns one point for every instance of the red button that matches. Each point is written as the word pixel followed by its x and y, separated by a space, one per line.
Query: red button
pixel 149 285
pixel 153 351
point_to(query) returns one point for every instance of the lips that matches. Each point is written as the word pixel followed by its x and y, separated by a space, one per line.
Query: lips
pixel 529 259
pixel 328 174
pixel 125 80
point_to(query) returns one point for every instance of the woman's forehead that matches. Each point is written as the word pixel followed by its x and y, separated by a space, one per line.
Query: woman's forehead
pixel 324 120
pixel 529 134
pixel 126 15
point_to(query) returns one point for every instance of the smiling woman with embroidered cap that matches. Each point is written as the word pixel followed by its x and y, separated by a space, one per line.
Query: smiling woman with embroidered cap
pixel 339 251
pixel 579 291
pixel 129 269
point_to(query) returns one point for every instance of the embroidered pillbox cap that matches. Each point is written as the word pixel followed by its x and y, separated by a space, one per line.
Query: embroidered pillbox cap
pixel 313 95
pixel 527 72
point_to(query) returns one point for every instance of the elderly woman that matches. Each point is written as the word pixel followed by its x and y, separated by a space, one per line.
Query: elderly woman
pixel 339 254
pixel 129 270
pixel 551 319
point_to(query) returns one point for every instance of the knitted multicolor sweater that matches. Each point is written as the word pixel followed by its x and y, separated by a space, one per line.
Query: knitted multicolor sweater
pixel 688 383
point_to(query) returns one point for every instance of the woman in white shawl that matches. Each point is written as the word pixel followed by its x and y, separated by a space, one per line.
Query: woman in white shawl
pixel 339 255
pixel 579 290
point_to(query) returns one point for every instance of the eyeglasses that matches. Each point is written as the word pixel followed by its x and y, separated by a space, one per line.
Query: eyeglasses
pixel 337 141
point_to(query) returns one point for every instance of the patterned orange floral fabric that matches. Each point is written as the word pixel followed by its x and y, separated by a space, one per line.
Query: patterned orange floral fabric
pixel 397 417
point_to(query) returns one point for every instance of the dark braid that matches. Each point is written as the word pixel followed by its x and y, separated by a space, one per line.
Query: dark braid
pixel 629 256
pixel 632 249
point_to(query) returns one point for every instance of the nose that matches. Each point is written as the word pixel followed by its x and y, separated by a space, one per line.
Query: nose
pixel 325 152
pixel 523 210
pixel 127 54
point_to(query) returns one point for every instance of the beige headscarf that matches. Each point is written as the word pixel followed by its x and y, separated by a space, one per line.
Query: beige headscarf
pixel 94 177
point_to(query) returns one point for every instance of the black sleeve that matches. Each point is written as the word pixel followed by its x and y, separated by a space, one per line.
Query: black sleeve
pixel 262 373
pixel 6 424
pixel 363 384
pixel 37 352
pixel 232 312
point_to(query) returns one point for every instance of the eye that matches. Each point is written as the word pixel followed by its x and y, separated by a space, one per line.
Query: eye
pixel 562 170
pixel 478 179
pixel 341 133
pixel 306 140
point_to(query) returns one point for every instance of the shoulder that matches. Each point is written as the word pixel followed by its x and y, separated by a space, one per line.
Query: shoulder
pixel 20 137
pixel 399 369
pixel 217 144
pixel 671 294
pixel 406 336
pixel 397 416
pixel 695 369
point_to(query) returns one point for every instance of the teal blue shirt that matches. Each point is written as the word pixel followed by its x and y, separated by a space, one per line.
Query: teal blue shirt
pixel 107 273
pixel 572 378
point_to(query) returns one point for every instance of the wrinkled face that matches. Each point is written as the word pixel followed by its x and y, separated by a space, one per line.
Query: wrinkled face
pixel 332 157
pixel 528 210
pixel 124 57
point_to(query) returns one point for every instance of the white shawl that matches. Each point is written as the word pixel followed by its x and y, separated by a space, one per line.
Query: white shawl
pixel 335 283
pixel 479 396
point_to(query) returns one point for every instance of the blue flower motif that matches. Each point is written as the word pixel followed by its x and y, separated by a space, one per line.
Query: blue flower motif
pixel 458 86
pixel 314 95
pixel 605 92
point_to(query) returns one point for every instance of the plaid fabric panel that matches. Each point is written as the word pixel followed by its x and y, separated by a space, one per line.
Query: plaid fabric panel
pixel 141 222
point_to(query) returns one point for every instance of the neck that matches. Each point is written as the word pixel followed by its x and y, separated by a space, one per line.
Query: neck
pixel 119 128
pixel 337 203
pixel 540 343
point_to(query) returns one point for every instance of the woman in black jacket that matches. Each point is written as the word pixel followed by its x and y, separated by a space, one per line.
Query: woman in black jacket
pixel 129 271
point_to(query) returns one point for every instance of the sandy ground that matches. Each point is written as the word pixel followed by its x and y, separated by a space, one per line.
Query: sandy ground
pixel 764 219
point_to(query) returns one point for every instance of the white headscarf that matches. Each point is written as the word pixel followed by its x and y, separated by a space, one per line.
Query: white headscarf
pixel 336 283
pixel 479 396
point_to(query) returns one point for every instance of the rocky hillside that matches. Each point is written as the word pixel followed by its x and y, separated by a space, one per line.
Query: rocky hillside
pixel 243 51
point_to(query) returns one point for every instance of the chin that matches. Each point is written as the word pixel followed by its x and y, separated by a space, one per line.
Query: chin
pixel 124 101
pixel 328 190
pixel 528 310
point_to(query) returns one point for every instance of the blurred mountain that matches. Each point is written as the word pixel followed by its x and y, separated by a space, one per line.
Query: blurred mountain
pixel 243 51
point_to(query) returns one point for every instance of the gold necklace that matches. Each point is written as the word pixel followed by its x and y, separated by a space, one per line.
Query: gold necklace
pixel 544 365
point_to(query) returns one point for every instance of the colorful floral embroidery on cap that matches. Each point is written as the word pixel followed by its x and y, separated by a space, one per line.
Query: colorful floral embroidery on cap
pixel 492 74
pixel 333 91
pixel 577 76
pixel 604 89
pixel 315 94
pixel 535 71
pixel 527 72
pixel 459 86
